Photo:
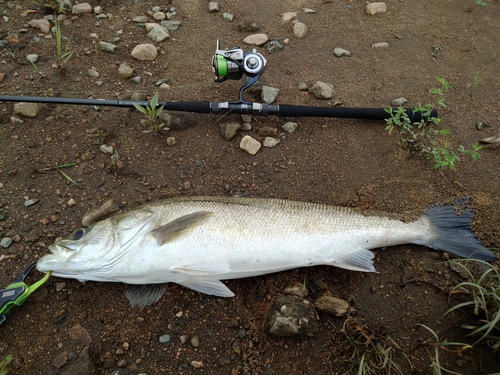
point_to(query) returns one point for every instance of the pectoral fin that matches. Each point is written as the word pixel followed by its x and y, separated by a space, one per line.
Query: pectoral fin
pixel 359 260
pixel 213 266
pixel 180 227
pixel 207 286
pixel 145 295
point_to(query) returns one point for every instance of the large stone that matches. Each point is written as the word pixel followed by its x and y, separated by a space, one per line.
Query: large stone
pixel 228 130
pixel 178 120
pixel 171 25
pixel 332 305
pixel 213 7
pixel 256 39
pixel 322 90
pixel 269 94
pixel 292 316
pixel 28 109
pixel 158 34
pixel 144 52
pixel 300 30
pixel 81 8
pixel 250 145
pixel 375 8
pixel 289 126
pixel 83 365
pixel 125 71
pixel 108 47
pixel 42 24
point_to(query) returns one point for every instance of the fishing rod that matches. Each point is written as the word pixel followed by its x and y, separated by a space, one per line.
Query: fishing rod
pixel 233 64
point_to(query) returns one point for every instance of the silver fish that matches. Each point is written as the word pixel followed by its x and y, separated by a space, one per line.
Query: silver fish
pixel 197 242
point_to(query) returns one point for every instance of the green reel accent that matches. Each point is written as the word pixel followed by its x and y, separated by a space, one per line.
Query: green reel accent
pixel 221 66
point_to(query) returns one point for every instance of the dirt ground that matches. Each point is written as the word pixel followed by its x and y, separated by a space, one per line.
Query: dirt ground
pixel 335 161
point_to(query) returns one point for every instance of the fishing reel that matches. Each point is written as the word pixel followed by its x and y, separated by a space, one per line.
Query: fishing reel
pixel 234 63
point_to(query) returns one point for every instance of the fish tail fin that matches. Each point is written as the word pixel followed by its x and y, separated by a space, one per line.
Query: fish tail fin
pixel 452 233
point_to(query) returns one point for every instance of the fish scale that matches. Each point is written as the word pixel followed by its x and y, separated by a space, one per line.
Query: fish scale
pixel 199 241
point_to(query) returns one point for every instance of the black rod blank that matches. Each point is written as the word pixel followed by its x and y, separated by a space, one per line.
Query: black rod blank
pixel 284 110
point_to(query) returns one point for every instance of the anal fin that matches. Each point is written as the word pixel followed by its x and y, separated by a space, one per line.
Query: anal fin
pixel 207 286
pixel 358 260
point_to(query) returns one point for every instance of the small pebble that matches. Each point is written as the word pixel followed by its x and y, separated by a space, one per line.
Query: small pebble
pixel 195 342
pixel 71 202
pixel 164 338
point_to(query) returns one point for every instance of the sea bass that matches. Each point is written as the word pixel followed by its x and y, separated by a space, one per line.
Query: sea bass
pixel 199 241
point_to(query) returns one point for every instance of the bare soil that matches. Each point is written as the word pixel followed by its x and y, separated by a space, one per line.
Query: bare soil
pixel 340 162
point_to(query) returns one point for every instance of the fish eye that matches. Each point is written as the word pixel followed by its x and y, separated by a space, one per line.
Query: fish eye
pixel 79 233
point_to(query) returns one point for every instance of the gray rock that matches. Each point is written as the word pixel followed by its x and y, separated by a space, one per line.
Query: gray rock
pixel 293 317
pixel 213 7
pixel 288 16
pixel 228 16
pixel 380 45
pixel 331 305
pixel 28 109
pixel 6 242
pixel 308 10
pixel 375 8
pixel 322 90
pixel 256 39
pixel 269 94
pixel 125 71
pixel 289 126
pixel 144 52
pixel 42 24
pixel 32 58
pixel 303 87
pixel 246 126
pixel 270 142
pixel 297 289
pixel 137 80
pixel 229 130
pixel 171 25
pixel 107 149
pixel 108 47
pixel 337 51
pixel 81 8
pixel 159 16
pixel 246 117
pixel 250 145
pixel 140 19
pixel 83 365
pixel 195 342
pixel 178 120
pixel 164 338
pixel 274 46
pixel 140 96
pixel 399 102
pixel 3 43
pixel 248 25
pixel 93 73
pixel 158 34
pixel 300 30
pixel 171 141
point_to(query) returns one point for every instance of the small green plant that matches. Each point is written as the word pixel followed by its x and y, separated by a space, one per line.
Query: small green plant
pixel 445 86
pixel 477 79
pixel 11 52
pixel 372 353
pixel 63 51
pixel 4 364
pixel 481 2
pixel 422 137
pixel 437 369
pixel 483 295
pixel 152 112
